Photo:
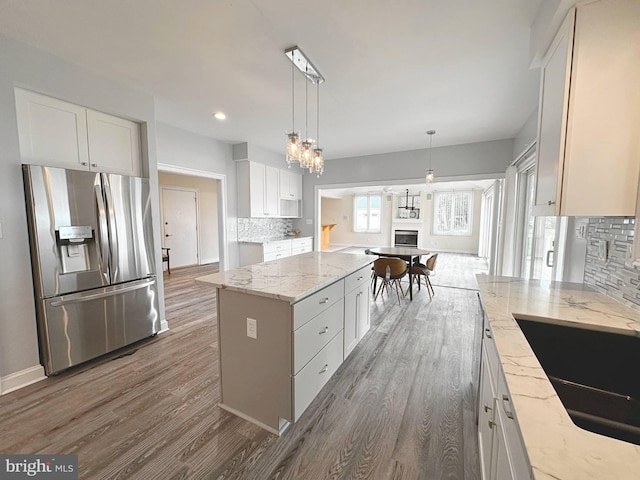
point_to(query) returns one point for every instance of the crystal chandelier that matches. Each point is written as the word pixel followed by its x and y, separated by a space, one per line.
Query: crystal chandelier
pixel 307 153
pixel 430 175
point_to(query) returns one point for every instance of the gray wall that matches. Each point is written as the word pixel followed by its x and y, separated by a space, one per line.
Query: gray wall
pixel 26 67
pixel 527 135
pixel 473 159
pixel 181 148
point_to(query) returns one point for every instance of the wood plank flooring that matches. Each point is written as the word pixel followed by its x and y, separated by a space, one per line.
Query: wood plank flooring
pixel 400 407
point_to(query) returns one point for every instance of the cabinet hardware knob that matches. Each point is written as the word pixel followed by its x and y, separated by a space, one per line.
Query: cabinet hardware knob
pixel 505 398
pixel 325 368
pixel 487 332
pixel 324 330
pixel 324 300
pixel 491 423
pixel 359 278
pixel 84 163
pixel 551 203
pixel 486 408
pixel 94 164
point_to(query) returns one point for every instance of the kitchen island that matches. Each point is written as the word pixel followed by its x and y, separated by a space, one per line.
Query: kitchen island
pixel 545 443
pixel 284 328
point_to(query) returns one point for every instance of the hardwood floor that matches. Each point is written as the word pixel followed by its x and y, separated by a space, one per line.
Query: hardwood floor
pixel 400 407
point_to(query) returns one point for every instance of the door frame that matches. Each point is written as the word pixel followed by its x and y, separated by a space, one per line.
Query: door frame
pixel 196 192
pixel 223 246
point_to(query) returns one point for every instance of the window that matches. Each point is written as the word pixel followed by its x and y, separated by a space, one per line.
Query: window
pixel 452 213
pixel 367 210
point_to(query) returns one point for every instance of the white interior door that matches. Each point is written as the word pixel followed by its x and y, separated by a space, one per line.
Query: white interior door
pixel 180 225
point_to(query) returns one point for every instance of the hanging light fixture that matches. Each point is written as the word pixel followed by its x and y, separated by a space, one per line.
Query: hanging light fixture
pixel 430 175
pixel 318 159
pixel 308 156
pixel 293 145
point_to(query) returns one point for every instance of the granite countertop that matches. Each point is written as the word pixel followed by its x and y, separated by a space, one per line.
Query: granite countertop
pixel 262 241
pixel 557 448
pixel 290 278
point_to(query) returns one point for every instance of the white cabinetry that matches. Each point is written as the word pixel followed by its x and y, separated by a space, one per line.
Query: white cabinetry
pixel 589 113
pixel 257 189
pixel 356 308
pixel 502 454
pixel 290 185
pixel 57 133
pixel 251 253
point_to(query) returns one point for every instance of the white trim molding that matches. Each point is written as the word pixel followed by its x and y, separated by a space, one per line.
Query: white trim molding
pixel 17 380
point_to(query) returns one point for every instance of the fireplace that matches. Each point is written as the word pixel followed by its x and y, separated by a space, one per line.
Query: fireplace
pixel 406 238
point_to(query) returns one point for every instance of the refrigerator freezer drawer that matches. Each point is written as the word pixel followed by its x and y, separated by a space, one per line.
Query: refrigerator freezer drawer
pixel 78 327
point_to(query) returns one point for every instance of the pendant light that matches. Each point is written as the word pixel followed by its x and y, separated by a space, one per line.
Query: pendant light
pixel 306 156
pixel 304 151
pixel 430 175
pixel 318 159
pixel 293 144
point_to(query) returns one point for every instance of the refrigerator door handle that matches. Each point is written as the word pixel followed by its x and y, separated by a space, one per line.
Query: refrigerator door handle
pixel 113 228
pixel 103 244
pixel 87 296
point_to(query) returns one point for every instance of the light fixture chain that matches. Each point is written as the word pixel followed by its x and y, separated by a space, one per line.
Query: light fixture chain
pixel 318 114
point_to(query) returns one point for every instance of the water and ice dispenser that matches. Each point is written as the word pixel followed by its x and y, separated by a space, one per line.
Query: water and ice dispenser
pixel 73 244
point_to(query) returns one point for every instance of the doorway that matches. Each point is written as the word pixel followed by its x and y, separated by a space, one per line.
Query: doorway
pixel 180 225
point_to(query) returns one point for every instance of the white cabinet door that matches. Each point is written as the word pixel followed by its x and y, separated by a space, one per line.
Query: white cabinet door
pixel 554 103
pixel 290 185
pixel 257 189
pixel 486 407
pixel 114 144
pixel 51 132
pixel 364 316
pixel 589 114
pixel 271 188
pixel 351 304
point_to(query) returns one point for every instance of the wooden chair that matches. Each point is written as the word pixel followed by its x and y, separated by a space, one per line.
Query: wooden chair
pixel 390 271
pixel 427 270
pixel 166 258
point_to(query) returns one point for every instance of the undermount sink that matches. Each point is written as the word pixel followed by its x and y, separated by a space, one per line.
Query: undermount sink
pixel 594 373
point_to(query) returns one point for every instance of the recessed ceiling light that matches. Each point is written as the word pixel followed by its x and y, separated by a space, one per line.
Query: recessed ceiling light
pixel 219 115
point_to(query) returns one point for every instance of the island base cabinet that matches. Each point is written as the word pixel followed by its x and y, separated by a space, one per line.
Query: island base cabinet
pixel 310 380
pixel 255 373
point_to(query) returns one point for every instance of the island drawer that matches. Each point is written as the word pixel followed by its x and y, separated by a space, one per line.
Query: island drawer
pixel 315 375
pixel 306 309
pixel 357 278
pixel 301 245
pixel 309 339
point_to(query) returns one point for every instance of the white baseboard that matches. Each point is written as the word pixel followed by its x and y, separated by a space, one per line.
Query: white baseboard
pixel 17 380
pixel 205 261
pixel 164 326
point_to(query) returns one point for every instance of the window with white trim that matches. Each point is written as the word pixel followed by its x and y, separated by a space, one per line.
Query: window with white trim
pixel 367 213
pixel 452 213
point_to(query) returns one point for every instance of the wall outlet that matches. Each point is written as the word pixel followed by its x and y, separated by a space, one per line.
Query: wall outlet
pixel 309 221
pixel 252 328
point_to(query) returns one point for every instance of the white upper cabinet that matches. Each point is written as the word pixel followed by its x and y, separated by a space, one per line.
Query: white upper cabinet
pixel 114 143
pixel 257 189
pixel 52 132
pixel 290 185
pixel 588 152
pixel 62 134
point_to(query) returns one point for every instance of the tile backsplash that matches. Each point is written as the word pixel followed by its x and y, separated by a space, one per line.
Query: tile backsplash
pixel 256 229
pixel 611 276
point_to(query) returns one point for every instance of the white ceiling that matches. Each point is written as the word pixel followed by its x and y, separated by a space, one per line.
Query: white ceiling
pixel 393 68
pixel 413 188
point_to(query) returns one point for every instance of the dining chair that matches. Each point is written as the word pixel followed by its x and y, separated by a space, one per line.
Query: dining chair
pixel 166 258
pixel 390 271
pixel 426 270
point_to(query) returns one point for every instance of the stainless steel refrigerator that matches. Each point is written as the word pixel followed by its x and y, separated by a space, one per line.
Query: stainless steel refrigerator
pixel 93 263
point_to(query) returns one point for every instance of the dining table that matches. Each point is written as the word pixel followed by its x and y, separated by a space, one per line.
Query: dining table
pixel 406 253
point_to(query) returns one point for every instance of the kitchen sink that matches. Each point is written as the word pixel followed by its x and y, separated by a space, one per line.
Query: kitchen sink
pixel 594 373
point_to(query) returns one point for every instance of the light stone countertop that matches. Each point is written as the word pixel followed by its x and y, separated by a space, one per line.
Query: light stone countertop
pixel 557 449
pixel 290 278
pixel 262 241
